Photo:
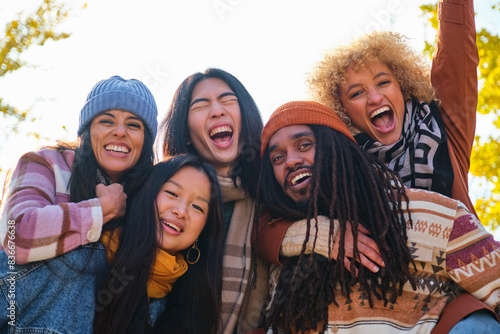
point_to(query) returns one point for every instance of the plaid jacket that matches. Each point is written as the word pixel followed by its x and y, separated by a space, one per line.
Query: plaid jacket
pixel 36 214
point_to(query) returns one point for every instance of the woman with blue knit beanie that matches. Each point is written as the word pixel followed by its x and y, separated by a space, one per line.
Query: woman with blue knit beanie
pixel 58 200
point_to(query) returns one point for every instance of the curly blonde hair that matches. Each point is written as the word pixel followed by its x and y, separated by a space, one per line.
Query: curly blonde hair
pixel 411 69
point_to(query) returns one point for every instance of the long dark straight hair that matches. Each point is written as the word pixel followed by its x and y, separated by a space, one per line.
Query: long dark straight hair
pixel 194 304
pixel 348 185
pixel 174 132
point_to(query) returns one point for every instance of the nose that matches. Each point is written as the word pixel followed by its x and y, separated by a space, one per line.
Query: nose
pixel 217 110
pixel 179 210
pixel 120 130
pixel 293 160
pixel 374 96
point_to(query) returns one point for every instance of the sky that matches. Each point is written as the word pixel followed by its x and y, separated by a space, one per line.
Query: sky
pixel 270 46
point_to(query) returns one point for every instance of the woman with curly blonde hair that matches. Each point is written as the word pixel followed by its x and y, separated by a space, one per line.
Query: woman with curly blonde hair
pixel 418 120
pixel 391 49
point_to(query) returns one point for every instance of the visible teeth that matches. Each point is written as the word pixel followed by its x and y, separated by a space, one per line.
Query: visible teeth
pixel 300 176
pixel 116 148
pixel 220 129
pixel 172 226
pixel 379 111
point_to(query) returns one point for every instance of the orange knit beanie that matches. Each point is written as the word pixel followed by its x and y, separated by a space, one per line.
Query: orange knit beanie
pixel 301 112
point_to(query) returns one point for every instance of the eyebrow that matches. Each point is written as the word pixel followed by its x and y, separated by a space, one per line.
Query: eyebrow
pixel 375 77
pixel 128 117
pixel 294 136
pixel 204 99
pixel 198 197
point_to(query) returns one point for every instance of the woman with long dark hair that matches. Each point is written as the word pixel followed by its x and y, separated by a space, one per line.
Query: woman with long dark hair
pixel 175 217
pixel 213 116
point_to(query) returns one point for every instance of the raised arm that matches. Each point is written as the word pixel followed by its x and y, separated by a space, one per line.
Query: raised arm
pixel 37 220
pixel 454 76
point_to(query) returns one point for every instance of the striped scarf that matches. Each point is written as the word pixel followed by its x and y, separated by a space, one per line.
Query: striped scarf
pixel 421 155
pixel 242 301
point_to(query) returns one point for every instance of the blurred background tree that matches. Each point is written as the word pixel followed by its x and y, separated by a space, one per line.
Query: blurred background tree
pixel 485 159
pixel 27 30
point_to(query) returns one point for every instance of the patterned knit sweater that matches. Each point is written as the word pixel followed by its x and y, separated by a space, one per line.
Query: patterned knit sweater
pixel 36 197
pixel 453 252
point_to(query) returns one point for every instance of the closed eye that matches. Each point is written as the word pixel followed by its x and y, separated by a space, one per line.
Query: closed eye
pixel 229 99
pixel 199 106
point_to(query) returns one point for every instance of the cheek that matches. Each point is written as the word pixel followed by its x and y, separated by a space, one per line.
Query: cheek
pixel 199 225
pixel 278 174
pixel 237 119
pixel 195 125
pixel 94 141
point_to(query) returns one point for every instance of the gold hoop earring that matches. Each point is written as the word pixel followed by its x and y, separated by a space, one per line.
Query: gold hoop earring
pixel 195 247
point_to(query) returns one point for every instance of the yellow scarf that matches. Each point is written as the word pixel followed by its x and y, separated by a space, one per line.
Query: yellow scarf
pixel 166 269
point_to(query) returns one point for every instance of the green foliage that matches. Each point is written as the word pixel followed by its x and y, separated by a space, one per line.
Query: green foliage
pixel 429 12
pixel 489 69
pixel 32 29
pixel 485 158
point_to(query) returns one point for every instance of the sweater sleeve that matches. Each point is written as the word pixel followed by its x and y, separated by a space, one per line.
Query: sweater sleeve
pixel 37 220
pixel 454 76
pixel 270 236
pixel 473 260
pixel 295 236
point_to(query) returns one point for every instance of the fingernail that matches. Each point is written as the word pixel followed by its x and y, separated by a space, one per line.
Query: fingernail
pixel 375 269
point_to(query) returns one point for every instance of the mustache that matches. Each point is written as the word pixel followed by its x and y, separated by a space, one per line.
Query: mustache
pixel 285 182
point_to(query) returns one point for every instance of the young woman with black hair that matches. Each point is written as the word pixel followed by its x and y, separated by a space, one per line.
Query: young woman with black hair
pixel 213 116
pixel 172 234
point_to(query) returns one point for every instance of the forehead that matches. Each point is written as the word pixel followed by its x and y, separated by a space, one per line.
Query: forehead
pixel 371 68
pixel 187 173
pixel 289 133
pixel 210 86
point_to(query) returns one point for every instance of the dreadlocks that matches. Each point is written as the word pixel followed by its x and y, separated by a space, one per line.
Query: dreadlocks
pixel 347 185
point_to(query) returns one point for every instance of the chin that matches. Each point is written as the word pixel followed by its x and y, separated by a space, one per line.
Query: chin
pixel 302 205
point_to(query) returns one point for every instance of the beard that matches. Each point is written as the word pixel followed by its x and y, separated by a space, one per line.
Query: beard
pixel 303 205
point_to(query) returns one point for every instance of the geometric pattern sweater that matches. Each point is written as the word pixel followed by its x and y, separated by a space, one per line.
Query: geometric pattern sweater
pixel 452 252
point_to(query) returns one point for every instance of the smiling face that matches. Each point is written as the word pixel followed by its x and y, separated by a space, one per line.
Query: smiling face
pixel 291 152
pixel 183 203
pixel 373 100
pixel 214 123
pixel 117 139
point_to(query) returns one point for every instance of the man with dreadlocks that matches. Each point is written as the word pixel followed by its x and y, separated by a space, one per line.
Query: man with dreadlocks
pixel 432 247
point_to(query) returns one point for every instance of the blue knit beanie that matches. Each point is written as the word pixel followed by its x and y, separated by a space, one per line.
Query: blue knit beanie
pixel 117 93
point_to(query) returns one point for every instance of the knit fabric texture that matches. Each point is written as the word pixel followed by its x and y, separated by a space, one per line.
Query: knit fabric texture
pixel 301 112
pixel 120 94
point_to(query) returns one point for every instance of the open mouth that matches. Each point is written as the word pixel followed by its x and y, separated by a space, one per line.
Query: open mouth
pixel 383 118
pixel 116 148
pixel 172 226
pixel 298 179
pixel 221 135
